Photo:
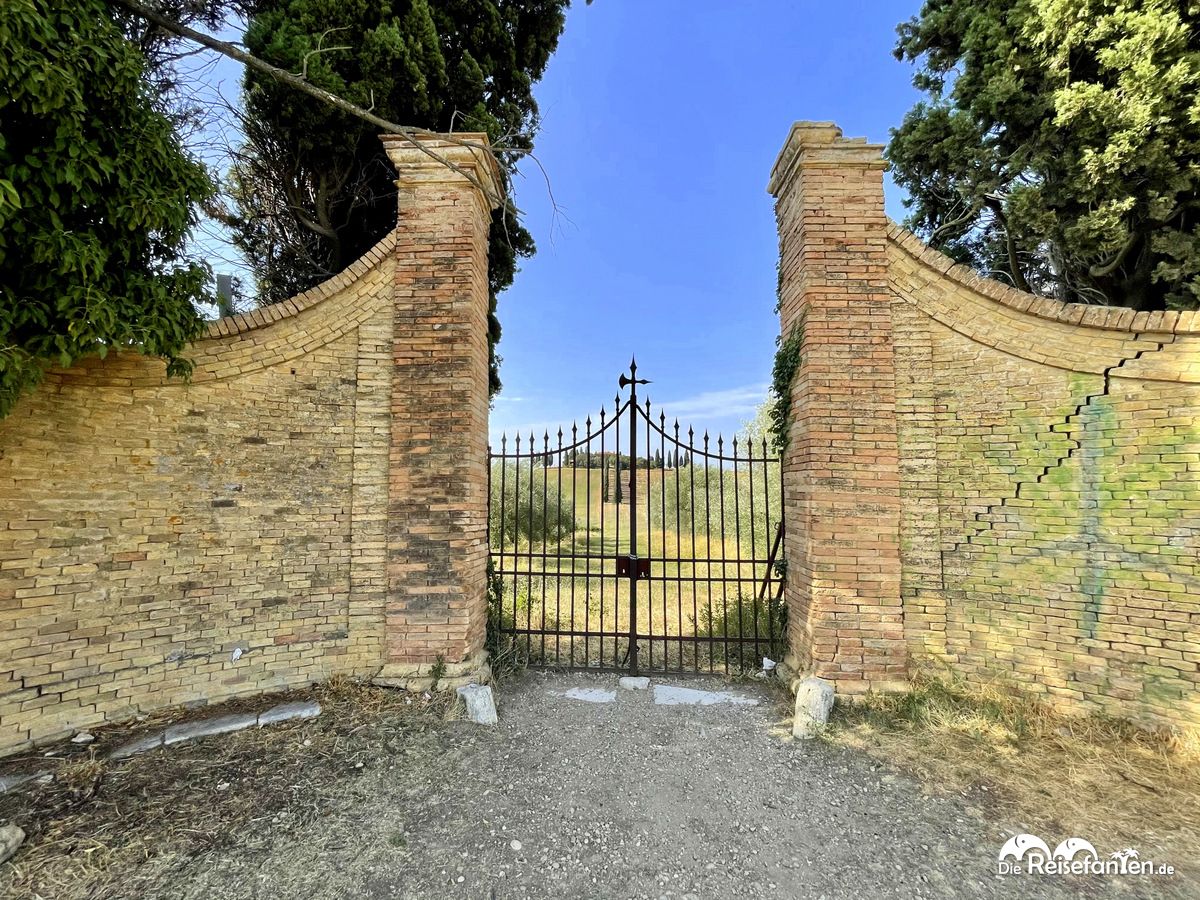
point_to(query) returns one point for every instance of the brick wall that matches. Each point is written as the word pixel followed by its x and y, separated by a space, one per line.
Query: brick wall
pixel 1051 491
pixel 1048 522
pixel 437 499
pixel 841 481
pixel 153 530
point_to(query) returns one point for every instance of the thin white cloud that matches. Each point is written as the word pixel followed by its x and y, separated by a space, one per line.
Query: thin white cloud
pixel 737 401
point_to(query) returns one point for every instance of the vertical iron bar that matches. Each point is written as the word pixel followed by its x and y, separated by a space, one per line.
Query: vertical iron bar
pixel 753 542
pixel 618 498
pixel 558 560
pixel 529 560
pixel 516 561
pixel 782 529
pixel 737 567
pixel 691 507
pixel 662 493
pixel 649 600
pixel 692 554
pixel 503 487
pixel 574 538
pixel 708 560
pixel 545 534
pixel 724 553
pixel 633 592
pixel 603 467
pixel 766 461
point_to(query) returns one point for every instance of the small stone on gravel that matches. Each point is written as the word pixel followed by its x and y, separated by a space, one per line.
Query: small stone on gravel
pixel 11 838
pixel 481 705
pixel 814 700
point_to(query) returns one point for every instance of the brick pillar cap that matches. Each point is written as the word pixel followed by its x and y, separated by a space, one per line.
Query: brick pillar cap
pixel 820 144
pixel 423 158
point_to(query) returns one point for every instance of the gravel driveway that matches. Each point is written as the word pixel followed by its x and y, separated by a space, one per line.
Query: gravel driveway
pixel 629 799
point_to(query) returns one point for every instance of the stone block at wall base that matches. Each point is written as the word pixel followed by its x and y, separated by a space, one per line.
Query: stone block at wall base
pixel 793 670
pixel 814 701
pixel 419 676
pixel 788 670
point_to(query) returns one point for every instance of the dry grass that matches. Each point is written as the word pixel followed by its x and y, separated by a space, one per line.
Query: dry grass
pixel 1094 777
pixel 101 828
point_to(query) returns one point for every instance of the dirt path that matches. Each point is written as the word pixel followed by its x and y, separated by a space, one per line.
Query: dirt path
pixel 624 799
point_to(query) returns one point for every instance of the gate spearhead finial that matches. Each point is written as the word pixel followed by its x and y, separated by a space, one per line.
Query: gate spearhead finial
pixel 631 378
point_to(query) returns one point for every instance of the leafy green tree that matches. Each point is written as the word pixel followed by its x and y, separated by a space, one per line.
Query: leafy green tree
pixel 759 433
pixel 96 199
pixel 314 189
pixel 1059 146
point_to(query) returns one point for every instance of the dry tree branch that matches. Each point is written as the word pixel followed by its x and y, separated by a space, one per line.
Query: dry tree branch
pixel 956 224
pixel 301 84
pixel 320 49
pixel 1103 270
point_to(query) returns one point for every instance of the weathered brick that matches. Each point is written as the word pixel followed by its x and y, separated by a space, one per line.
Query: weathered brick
pixel 1049 493
pixel 152 526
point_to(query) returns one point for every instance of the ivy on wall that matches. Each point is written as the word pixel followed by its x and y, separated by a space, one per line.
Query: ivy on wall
pixel 787 362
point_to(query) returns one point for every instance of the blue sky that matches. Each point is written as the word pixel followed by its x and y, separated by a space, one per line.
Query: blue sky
pixel 660 123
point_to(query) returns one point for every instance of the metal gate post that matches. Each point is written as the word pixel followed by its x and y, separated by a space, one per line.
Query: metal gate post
pixel 633 492
pixel 634 569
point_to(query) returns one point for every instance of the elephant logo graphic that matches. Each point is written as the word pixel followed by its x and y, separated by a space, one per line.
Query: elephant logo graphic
pixel 1028 854
pixel 1068 848
pixel 1021 844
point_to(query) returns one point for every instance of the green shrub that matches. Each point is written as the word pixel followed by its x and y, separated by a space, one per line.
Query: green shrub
pixel 701 491
pixel 528 513
pixel 739 618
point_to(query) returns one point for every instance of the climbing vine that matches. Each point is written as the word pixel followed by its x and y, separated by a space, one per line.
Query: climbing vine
pixel 787 362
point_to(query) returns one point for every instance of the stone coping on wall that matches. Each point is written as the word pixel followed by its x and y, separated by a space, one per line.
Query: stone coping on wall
pixel 235 345
pixel 1157 346
pixel 268 315
pixel 1115 318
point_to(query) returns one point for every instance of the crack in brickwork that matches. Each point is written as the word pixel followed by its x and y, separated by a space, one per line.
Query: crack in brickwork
pixel 1064 427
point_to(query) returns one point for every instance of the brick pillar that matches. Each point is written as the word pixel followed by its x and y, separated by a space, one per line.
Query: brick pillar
pixel 437 499
pixel 841 478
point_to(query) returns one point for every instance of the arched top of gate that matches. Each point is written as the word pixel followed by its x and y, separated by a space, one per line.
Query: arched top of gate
pixel 540 445
pixel 739 450
pixel 704 449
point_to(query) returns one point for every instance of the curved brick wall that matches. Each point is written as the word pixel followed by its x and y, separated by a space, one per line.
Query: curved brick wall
pixel 1050 490
pixel 1003 487
pixel 153 528
pixel 313 501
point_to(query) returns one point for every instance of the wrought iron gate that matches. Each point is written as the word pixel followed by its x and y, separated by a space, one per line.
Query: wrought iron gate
pixel 605 559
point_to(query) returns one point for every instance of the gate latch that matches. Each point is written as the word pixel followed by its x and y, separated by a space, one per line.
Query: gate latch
pixel 630 566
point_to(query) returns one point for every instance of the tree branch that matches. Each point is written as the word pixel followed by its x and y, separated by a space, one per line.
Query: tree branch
pixel 955 224
pixel 1105 269
pixel 997 207
pixel 307 87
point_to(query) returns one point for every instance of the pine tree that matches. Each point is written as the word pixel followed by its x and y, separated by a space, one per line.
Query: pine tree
pixel 314 189
pixel 1058 143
